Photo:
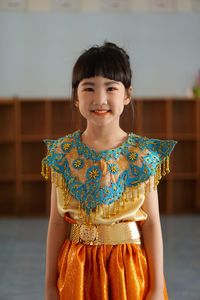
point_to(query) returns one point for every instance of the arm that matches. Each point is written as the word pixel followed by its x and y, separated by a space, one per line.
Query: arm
pixel 152 237
pixel 58 230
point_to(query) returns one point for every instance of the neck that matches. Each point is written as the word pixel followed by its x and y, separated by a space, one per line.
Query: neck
pixel 102 134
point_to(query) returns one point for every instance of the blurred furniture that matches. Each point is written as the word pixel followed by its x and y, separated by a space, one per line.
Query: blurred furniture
pixel 25 122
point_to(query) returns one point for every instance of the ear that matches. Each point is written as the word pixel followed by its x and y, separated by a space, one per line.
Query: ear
pixel 127 101
pixel 76 103
pixel 128 96
pixel 75 97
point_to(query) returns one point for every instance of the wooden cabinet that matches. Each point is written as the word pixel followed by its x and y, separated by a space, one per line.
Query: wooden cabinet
pixel 24 123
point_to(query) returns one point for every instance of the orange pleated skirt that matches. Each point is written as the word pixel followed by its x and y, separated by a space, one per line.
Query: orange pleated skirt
pixel 103 272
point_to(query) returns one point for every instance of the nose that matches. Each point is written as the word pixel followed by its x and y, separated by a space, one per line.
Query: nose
pixel 100 97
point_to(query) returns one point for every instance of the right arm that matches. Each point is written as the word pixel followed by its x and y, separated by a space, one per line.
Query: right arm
pixel 58 231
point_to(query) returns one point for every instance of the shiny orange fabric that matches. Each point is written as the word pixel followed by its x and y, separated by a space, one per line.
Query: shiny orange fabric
pixel 105 272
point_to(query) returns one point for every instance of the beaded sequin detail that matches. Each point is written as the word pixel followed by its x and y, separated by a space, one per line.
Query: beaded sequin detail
pixel 85 172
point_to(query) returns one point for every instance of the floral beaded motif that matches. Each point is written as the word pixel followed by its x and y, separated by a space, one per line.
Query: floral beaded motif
pixel 113 168
pixel 78 163
pixel 93 173
pixel 66 147
pixel 85 172
pixel 132 156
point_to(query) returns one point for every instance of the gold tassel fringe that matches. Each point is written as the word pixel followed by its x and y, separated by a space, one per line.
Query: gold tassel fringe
pixel 162 170
pixel 133 192
pixel 48 173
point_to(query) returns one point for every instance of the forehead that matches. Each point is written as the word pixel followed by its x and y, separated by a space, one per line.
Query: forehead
pixel 99 80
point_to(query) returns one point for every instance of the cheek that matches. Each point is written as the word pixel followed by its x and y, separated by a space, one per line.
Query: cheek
pixel 117 102
pixel 83 96
pixel 78 93
pixel 83 104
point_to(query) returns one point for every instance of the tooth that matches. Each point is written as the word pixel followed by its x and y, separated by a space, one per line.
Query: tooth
pixel 101 111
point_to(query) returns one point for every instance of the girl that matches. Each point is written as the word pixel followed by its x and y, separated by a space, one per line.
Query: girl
pixel 104 236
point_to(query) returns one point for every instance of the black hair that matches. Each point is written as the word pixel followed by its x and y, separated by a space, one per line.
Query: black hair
pixel 108 60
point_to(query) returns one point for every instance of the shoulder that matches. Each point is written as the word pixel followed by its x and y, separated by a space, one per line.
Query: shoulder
pixel 61 143
pixel 160 147
pixel 58 152
pixel 147 155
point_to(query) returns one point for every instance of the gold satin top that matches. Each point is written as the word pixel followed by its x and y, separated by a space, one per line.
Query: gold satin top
pixel 108 186
pixel 129 210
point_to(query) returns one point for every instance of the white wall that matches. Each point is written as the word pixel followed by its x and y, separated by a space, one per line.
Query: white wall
pixel 37 50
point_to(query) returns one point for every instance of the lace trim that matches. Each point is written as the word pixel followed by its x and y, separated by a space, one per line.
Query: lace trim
pixel 153 159
pixel 133 192
pixel 106 154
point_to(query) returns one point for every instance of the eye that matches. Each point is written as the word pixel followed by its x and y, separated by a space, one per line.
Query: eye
pixel 112 88
pixel 88 89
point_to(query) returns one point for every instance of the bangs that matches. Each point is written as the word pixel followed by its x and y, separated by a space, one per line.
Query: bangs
pixel 101 62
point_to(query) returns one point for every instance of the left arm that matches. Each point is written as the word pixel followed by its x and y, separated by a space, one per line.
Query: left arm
pixel 152 237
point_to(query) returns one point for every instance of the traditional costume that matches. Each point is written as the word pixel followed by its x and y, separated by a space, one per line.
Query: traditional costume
pixel 101 195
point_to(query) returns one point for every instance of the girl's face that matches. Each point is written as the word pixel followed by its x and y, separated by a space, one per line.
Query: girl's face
pixel 101 100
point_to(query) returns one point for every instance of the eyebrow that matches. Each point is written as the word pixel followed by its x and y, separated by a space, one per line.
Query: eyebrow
pixel 93 84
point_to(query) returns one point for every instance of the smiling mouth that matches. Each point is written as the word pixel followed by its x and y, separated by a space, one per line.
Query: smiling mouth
pixel 101 112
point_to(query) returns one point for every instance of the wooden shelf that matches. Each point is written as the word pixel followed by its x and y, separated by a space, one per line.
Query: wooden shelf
pixel 155 135
pixel 162 195
pixel 7 178
pixel 32 201
pixel 8 198
pixel 7 140
pixel 184 136
pixel 155 117
pixel 184 158
pixel 7 120
pixel 184 176
pixel 7 155
pixel 184 195
pixel 32 152
pixel 55 136
pixel 24 123
pixel 32 117
pixel 186 123
pixel 32 138
pixel 32 177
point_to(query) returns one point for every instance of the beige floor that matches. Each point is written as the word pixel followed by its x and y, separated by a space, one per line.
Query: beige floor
pixel 22 257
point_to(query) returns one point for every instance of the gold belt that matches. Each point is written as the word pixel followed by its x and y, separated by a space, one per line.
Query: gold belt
pixel 98 234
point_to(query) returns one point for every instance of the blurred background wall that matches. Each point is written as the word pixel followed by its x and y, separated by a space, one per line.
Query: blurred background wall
pixel 39 43
pixel 40 40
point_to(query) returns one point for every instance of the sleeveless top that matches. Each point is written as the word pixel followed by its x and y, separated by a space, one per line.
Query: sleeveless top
pixel 108 186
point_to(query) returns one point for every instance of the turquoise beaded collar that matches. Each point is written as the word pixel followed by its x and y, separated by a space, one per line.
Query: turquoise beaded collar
pixel 106 154
pixel 83 170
